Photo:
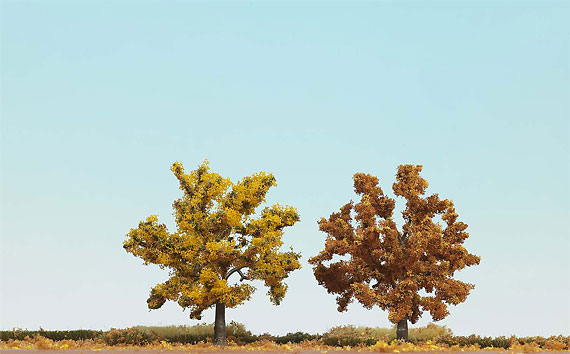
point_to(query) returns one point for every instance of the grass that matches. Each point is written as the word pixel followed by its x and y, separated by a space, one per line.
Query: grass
pixel 199 330
pixel 351 335
pixel 199 337
pixel 429 332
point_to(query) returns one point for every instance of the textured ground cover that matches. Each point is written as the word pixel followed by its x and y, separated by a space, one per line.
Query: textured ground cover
pixel 32 345
pixel 198 339
pixel 156 351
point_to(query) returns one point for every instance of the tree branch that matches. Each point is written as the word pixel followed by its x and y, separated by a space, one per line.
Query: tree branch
pixel 236 270
pixel 401 240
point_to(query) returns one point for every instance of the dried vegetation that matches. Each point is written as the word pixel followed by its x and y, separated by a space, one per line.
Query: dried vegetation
pixel 199 339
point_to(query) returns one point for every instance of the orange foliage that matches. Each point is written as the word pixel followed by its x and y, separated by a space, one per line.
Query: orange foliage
pixel 388 267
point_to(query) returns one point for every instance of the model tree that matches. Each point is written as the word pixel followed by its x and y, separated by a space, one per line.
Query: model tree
pixel 217 235
pixel 388 267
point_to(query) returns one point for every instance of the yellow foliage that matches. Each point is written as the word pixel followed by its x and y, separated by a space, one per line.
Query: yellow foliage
pixel 380 346
pixel 554 345
pixel 525 348
pixel 217 235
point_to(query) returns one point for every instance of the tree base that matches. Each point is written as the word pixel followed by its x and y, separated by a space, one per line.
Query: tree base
pixel 220 325
pixel 402 331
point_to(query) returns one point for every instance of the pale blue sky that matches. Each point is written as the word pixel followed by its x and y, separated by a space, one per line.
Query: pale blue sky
pixel 99 98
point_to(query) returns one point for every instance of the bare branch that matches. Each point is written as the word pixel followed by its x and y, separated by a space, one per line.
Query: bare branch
pixel 236 270
pixel 243 277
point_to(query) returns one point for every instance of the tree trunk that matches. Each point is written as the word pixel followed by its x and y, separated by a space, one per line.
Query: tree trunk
pixel 402 331
pixel 220 324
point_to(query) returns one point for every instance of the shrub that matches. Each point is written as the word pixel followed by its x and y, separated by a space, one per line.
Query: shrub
pixel 132 336
pixel 237 329
pixel 431 332
pixel 238 334
pixel 353 336
pixel 482 342
pixel 182 334
pixel 201 332
pixel 296 337
pixel 555 345
pixel 527 347
pixel 80 334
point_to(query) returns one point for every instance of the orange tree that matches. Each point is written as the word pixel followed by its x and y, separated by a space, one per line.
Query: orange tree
pixel 388 267
pixel 217 236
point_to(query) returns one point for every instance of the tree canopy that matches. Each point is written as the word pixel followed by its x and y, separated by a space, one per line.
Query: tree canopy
pixel 381 265
pixel 218 234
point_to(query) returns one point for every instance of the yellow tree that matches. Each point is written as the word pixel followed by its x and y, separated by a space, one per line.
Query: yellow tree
pixel 388 267
pixel 218 235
